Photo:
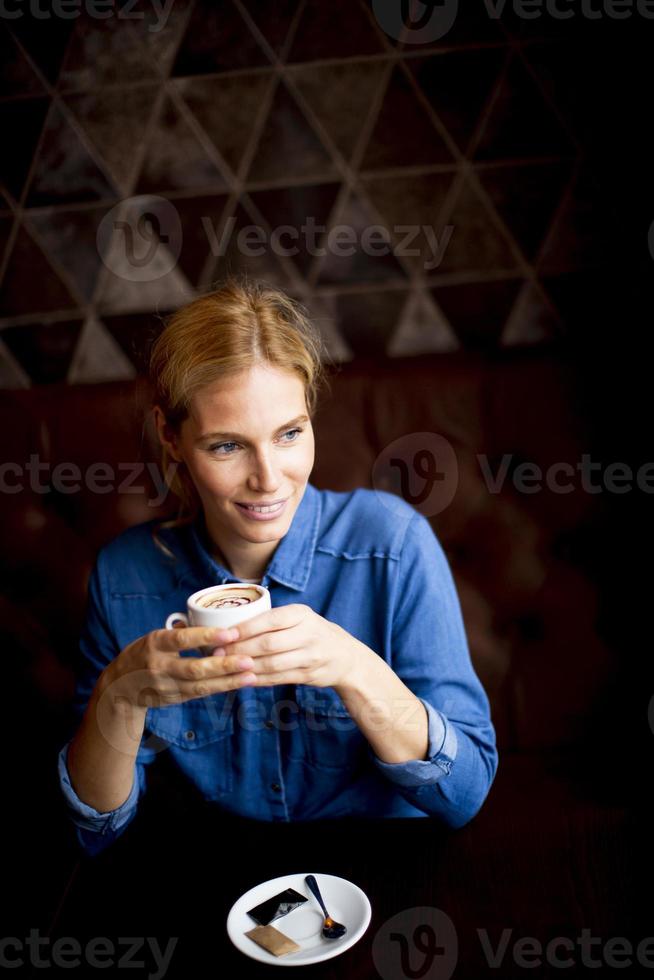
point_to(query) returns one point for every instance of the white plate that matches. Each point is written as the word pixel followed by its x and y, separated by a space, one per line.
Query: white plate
pixel 345 903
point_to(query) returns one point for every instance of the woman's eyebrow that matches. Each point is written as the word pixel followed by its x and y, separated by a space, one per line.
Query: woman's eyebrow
pixel 235 435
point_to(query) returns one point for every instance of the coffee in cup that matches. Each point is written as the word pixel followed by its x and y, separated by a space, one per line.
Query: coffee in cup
pixel 228 598
pixel 222 606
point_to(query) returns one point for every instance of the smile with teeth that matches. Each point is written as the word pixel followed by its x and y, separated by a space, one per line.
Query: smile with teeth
pixel 264 510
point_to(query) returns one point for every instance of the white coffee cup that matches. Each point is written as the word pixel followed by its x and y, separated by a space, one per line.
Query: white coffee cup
pixel 226 610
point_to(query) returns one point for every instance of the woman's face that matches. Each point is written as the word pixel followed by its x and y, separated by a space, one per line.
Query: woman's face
pixel 248 440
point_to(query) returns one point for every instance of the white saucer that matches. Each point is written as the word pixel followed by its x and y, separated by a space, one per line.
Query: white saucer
pixel 345 902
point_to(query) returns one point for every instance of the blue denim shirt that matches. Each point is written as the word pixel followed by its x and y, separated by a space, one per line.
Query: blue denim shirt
pixel 363 559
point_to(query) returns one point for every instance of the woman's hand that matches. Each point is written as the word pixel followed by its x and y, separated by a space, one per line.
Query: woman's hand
pixel 294 645
pixel 149 673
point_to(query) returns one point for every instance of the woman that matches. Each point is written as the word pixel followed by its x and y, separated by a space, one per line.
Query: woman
pixel 354 694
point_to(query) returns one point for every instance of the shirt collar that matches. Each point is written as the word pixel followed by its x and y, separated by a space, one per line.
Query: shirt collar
pixel 291 563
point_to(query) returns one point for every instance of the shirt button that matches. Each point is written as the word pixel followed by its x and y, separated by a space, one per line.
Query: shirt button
pixel 275 787
pixel 190 735
pixel 268 723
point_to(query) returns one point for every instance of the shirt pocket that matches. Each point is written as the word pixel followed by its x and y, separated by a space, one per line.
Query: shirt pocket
pixel 199 734
pixel 332 739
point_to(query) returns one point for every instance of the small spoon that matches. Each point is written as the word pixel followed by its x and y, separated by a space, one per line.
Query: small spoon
pixel 330 929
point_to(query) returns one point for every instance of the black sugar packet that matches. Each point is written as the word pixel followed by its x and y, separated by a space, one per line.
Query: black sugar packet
pixel 277 906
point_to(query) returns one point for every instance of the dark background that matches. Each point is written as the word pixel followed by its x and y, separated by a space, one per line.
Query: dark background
pixel 531 138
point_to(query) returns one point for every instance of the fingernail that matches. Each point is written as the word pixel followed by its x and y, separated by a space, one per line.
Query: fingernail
pixel 218 652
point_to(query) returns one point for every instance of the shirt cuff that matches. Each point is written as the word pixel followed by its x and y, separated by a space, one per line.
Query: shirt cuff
pixel 441 753
pixel 86 816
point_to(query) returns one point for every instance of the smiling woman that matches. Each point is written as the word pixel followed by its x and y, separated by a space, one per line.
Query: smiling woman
pixel 364 646
pixel 250 482
pixel 235 377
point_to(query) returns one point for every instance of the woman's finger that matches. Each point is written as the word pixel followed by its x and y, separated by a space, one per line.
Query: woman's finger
pixel 176 690
pixel 297 676
pixel 206 668
pixel 190 637
pixel 263 644
pixel 278 662
pixel 213 685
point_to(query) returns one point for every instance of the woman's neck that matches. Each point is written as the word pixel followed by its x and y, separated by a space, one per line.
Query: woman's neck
pixel 236 561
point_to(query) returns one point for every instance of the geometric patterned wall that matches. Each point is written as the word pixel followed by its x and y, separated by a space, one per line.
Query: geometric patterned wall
pixel 230 114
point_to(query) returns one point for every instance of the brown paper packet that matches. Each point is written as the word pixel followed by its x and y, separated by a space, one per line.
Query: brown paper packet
pixel 273 940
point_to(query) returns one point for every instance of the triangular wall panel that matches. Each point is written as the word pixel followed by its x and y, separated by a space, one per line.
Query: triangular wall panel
pixel 463 149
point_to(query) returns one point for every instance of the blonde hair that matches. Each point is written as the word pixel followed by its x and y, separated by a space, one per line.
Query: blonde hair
pixel 239 324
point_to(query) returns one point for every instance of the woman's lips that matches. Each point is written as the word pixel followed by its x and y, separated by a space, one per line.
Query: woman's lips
pixel 254 515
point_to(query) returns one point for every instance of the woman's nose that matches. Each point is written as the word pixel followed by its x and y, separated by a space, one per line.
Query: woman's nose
pixel 265 473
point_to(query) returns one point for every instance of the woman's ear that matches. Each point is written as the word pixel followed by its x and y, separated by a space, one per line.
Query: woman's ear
pixel 167 437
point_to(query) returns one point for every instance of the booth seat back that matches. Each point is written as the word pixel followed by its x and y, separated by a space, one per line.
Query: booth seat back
pixel 81 463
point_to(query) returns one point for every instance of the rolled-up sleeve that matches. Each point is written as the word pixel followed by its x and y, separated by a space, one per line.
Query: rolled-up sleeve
pixel 441 753
pixel 95 830
pixel 430 655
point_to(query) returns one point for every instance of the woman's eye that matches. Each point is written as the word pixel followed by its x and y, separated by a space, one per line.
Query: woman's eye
pixel 292 432
pixel 222 445
pixel 228 446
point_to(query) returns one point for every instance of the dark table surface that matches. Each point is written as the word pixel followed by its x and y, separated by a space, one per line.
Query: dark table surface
pixel 529 866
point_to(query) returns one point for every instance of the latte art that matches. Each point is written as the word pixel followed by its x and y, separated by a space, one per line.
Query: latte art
pixel 229 598
pixel 222 606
